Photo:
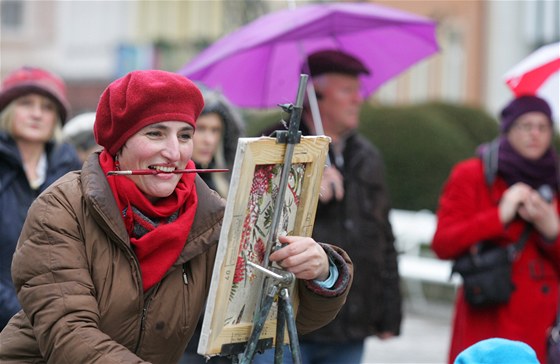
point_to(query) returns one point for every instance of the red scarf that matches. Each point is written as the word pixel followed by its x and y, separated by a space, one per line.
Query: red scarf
pixel 160 247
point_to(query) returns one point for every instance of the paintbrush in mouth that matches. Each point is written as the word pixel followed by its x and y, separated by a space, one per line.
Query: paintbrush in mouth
pixel 144 172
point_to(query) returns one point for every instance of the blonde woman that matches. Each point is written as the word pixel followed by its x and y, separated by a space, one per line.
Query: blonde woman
pixel 33 108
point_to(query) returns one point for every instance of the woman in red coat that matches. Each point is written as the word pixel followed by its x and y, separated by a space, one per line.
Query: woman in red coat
pixel 471 210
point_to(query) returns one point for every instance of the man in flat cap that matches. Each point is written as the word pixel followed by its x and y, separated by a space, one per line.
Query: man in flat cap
pixel 353 211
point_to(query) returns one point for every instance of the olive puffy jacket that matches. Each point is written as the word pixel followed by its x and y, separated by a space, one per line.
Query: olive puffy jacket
pixel 80 285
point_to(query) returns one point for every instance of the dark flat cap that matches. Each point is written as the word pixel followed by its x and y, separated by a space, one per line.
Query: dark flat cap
pixel 333 61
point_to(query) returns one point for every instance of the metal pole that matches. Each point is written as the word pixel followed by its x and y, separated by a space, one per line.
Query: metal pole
pixel 290 138
pixel 291 141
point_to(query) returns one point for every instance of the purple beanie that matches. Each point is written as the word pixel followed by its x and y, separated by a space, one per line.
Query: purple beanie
pixel 520 106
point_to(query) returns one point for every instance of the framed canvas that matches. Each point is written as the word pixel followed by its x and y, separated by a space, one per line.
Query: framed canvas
pixel 236 288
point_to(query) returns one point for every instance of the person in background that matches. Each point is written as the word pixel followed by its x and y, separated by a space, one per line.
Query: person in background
pixel 218 128
pixel 33 108
pixel 353 210
pixel 470 210
pixel 78 131
pixel 497 351
pixel 116 268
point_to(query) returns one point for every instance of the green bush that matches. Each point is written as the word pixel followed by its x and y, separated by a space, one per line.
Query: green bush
pixel 420 144
pixel 258 120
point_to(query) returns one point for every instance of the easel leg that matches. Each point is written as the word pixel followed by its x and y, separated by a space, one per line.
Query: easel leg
pixel 259 325
pixel 280 325
pixel 284 314
pixel 291 321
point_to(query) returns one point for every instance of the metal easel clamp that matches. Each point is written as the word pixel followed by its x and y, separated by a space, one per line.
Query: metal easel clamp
pixel 293 134
pixel 284 278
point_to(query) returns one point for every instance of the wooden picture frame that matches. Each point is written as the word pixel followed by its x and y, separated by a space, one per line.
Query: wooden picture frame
pixel 236 287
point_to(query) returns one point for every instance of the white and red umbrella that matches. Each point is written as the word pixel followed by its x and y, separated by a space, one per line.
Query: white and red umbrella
pixel 538 74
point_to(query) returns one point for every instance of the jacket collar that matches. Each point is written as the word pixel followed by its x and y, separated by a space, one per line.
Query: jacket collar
pixel 100 200
pixel 205 230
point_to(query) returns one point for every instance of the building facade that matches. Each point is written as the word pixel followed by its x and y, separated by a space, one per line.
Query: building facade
pixel 90 43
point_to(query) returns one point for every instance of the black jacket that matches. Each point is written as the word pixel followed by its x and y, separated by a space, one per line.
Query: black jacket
pixel 15 198
pixel 360 225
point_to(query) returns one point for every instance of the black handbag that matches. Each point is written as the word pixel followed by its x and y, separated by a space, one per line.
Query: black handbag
pixel 553 342
pixel 553 345
pixel 486 272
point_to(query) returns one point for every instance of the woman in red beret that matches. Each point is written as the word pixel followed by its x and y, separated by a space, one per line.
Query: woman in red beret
pixel 498 209
pixel 33 108
pixel 116 269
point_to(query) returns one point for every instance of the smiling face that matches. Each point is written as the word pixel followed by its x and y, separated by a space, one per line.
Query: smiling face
pixel 163 146
pixel 34 119
pixel 209 129
pixel 531 135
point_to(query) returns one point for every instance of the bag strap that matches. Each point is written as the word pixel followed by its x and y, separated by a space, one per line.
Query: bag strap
pixel 513 249
pixel 490 161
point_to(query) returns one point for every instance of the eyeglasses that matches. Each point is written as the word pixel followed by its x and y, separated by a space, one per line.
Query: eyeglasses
pixel 528 127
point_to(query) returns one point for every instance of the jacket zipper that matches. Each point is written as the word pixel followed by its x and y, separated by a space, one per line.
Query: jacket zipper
pixel 135 265
pixel 185 277
pixel 143 319
pixel 142 327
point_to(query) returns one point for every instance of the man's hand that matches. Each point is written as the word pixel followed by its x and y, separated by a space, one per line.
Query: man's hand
pixel 332 185
pixel 302 256
pixel 385 335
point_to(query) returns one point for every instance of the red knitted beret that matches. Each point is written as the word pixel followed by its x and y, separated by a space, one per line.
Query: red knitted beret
pixel 142 98
pixel 26 80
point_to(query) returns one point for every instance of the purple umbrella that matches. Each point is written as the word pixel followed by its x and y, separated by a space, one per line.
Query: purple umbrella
pixel 259 64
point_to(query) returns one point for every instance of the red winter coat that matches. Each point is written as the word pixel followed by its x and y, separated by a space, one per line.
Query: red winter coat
pixel 468 213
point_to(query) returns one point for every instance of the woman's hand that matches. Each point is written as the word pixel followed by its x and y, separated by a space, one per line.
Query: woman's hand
pixel 541 213
pixel 512 199
pixel 302 256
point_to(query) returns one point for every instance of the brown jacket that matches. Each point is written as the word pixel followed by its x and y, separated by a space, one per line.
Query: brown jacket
pixel 80 287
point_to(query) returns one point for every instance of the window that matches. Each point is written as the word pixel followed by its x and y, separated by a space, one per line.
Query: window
pixel 11 12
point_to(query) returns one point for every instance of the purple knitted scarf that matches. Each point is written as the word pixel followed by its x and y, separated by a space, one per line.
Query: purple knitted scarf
pixel 513 168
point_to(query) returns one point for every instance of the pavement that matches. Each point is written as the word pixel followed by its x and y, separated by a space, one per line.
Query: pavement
pixel 425 335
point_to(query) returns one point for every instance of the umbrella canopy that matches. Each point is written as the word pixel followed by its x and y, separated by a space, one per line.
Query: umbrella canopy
pixel 259 64
pixel 538 74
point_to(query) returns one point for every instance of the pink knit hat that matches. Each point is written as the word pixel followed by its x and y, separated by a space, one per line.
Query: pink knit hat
pixel 142 98
pixel 26 80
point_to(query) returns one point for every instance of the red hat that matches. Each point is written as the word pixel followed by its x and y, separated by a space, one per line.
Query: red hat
pixel 142 98
pixel 28 80
pixel 333 61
